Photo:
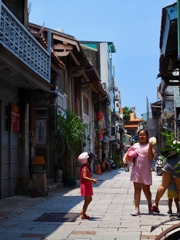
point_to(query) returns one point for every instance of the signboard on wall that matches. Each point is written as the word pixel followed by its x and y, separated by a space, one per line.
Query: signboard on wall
pixel 15 118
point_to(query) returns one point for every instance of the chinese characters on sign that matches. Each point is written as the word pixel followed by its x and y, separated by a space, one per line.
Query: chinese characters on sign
pixel 15 118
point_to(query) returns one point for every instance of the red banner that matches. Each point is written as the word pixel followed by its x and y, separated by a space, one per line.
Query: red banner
pixel 15 118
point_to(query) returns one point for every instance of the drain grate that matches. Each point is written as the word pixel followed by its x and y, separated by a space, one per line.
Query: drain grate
pixel 58 217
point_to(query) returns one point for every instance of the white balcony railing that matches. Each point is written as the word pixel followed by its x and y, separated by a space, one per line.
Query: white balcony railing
pixel 17 40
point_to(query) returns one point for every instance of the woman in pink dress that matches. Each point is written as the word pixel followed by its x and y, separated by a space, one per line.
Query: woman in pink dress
pixel 86 181
pixel 141 174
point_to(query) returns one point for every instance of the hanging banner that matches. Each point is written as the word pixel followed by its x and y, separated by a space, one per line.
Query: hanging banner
pixel 100 118
pixel 15 118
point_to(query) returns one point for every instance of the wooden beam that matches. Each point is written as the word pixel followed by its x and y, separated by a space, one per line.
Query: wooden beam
pixel 62 54
pixel 66 41
pixel 63 47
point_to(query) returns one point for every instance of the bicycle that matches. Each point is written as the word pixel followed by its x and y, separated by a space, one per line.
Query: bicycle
pixel 22 185
pixel 171 233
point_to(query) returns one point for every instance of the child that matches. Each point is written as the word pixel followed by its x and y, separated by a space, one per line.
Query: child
pixel 86 181
pixel 172 194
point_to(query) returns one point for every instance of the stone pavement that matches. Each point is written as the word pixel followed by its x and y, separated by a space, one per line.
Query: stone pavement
pixel 109 213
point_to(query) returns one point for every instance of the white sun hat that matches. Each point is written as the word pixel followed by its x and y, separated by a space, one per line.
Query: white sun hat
pixel 83 157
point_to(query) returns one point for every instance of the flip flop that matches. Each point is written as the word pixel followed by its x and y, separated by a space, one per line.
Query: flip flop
pixel 85 217
pixel 155 209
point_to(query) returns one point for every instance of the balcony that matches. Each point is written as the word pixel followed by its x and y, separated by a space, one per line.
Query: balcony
pixel 17 45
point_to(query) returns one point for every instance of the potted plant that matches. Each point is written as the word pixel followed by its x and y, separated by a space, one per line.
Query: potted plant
pixel 70 181
pixel 70 135
pixel 172 145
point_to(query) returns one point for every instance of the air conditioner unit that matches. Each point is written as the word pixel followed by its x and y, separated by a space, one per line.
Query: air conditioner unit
pixel 104 86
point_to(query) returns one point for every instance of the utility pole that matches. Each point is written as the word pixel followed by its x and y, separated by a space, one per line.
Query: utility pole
pixel 147 107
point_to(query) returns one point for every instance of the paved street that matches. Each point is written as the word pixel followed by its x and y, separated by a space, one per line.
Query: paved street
pixel 109 213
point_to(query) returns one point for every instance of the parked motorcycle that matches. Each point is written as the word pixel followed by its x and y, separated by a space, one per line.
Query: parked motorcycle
pixel 158 166
pixel 113 165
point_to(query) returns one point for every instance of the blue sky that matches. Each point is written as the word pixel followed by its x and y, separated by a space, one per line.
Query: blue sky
pixel 134 28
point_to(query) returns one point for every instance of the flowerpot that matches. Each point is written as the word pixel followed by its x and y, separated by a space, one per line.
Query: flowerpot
pixel 70 181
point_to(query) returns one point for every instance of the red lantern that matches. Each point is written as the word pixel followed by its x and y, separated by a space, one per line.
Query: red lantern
pixel 100 115
pixel 100 136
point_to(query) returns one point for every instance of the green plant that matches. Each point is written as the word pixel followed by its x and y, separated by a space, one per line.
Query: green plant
pixel 70 135
pixel 126 114
pixel 117 160
pixel 171 147
pixel 163 159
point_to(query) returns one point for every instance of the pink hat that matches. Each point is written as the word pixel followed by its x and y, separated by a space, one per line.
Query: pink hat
pixel 83 158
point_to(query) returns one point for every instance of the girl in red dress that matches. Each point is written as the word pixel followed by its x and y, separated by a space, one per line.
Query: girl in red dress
pixel 86 181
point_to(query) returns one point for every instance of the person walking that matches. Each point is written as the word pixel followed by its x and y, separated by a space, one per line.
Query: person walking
pixel 105 162
pixel 172 194
pixel 170 170
pixel 141 175
pixel 86 181
pixel 125 165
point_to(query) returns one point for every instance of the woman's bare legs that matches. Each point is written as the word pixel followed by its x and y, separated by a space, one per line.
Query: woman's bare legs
pixel 170 204
pixel 177 181
pixel 147 193
pixel 87 201
pixel 166 180
pixel 137 195
pixel 176 203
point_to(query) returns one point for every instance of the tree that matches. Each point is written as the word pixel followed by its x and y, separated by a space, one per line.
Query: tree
pixel 126 114
pixel 69 138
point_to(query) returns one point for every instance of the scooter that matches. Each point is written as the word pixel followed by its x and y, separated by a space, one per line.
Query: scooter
pixel 158 166
pixel 113 165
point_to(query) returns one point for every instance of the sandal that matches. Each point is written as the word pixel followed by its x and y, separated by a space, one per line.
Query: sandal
pixel 85 217
pixel 135 213
pixel 155 209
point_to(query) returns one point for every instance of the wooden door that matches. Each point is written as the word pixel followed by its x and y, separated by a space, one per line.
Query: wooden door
pixel 8 153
